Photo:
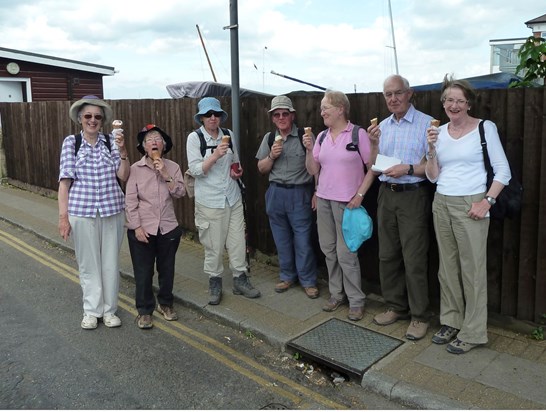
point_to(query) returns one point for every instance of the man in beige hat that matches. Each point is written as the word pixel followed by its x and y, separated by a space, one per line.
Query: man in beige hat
pixel 289 198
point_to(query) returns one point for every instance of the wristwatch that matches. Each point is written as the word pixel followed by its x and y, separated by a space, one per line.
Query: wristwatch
pixel 491 200
pixel 410 171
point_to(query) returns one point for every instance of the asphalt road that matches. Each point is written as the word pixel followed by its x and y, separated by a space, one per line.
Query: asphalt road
pixel 48 362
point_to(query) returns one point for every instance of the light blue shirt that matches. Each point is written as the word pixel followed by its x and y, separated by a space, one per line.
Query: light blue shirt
pixel 216 187
pixel 406 140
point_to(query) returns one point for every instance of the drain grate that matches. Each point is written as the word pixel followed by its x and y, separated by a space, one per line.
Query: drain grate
pixel 344 347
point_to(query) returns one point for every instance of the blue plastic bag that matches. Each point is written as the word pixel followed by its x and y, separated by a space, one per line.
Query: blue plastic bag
pixel 357 227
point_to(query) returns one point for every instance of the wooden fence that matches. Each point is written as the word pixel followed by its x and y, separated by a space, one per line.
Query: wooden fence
pixel 33 134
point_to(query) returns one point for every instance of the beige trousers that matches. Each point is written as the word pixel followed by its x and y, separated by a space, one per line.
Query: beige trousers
pixel 344 277
pixel 462 246
pixel 219 229
pixel 97 242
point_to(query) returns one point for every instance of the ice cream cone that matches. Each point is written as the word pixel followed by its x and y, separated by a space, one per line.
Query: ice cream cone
pixel 374 121
pixel 278 140
pixel 307 130
pixel 155 154
pixel 226 139
pixel 435 123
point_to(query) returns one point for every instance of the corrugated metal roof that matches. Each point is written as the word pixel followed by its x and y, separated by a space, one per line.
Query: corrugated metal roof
pixel 55 61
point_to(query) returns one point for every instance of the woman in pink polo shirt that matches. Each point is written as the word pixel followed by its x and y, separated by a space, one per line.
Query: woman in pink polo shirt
pixel 342 183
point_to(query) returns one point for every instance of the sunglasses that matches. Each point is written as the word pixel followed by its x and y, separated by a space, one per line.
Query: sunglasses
pixel 209 114
pixel 90 116
pixel 278 115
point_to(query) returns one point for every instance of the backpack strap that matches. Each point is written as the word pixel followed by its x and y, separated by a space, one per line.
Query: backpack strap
pixel 271 138
pixel 354 138
pixel 78 143
pixel 203 142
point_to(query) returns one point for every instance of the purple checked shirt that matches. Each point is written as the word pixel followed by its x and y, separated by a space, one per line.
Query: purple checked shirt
pixel 93 171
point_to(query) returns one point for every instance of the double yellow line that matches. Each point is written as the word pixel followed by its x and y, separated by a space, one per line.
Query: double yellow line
pixel 263 376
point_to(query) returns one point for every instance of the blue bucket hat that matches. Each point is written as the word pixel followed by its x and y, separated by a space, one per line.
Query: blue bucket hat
pixel 357 227
pixel 209 104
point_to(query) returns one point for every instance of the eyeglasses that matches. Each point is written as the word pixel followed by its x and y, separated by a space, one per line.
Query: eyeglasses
pixel 216 114
pixel 397 93
pixel 156 139
pixel 90 116
pixel 278 115
pixel 459 102
pixel 324 108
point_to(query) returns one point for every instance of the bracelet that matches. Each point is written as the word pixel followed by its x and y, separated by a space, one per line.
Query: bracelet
pixel 169 180
pixel 123 158
pixel 270 158
pixel 431 155
pixel 360 194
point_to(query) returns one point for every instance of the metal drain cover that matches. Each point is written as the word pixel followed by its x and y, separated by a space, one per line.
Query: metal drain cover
pixel 344 346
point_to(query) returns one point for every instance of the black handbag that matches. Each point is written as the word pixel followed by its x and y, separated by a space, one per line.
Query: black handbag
pixel 509 200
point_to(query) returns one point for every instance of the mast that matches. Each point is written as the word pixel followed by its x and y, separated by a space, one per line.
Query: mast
pixel 393 40
pixel 206 54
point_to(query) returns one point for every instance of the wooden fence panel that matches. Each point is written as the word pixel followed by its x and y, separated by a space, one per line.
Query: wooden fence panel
pixel 33 135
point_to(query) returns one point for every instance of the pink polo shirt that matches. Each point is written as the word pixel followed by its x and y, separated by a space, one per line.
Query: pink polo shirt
pixel 341 170
pixel 148 200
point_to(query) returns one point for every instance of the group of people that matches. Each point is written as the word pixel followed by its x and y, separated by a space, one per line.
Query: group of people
pixel 326 173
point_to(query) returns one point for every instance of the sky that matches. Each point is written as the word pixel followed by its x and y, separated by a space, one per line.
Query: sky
pixel 345 45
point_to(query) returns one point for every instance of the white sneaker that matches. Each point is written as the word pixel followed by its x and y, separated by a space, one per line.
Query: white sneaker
pixel 111 321
pixel 89 322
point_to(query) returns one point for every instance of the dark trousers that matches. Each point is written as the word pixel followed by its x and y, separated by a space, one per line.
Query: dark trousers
pixel 403 228
pixel 161 250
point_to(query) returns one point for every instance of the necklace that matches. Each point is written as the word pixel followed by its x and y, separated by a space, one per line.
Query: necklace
pixel 456 132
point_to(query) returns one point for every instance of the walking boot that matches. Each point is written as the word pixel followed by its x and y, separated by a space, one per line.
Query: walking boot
pixel 215 290
pixel 242 286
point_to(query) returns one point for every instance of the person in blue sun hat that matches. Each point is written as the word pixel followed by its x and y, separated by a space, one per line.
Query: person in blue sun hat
pixel 219 212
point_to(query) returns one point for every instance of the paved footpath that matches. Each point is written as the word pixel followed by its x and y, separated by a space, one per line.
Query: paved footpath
pixel 507 373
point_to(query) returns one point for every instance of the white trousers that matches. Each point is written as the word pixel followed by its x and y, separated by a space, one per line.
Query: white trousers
pixel 97 242
pixel 219 229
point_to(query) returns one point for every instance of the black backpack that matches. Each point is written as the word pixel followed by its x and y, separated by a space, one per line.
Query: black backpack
pixel 354 137
pixel 271 137
pixel 203 143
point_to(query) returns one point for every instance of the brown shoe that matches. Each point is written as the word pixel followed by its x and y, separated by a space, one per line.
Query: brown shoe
pixel 355 314
pixel 167 312
pixel 283 286
pixel 144 321
pixel 332 304
pixel 388 317
pixel 416 330
pixel 312 292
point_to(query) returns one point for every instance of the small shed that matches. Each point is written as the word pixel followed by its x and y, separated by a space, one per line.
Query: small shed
pixel 32 77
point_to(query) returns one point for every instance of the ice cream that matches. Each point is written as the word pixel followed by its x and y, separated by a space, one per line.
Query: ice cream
pixel 374 121
pixel 116 129
pixel 226 139
pixel 307 130
pixel 155 154
pixel 435 123
pixel 278 140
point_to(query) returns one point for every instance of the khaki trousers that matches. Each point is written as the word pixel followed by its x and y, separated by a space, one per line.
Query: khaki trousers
pixel 219 229
pixel 344 277
pixel 462 246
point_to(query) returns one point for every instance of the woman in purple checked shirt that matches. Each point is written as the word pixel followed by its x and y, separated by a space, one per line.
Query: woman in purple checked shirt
pixel 91 207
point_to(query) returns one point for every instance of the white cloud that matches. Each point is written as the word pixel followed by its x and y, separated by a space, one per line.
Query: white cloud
pixel 339 45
